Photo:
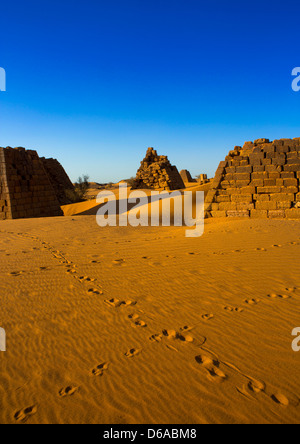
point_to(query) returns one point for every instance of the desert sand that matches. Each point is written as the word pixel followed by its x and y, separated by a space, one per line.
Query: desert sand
pixel 143 325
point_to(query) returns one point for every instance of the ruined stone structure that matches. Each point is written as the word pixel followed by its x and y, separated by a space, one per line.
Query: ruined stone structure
pixel 59 179
pixel 203 179
pixel 25 188
pixel 186 176
pixel 260 180
pixel 157 172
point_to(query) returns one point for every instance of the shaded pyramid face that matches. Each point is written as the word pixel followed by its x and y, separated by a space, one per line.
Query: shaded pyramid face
pixel 260 180
pixel 25 188
pixel 59 179
pixel 156 172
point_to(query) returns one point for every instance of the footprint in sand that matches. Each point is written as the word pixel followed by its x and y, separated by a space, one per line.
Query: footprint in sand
pixel 155 338
pixel 86 279
pixel 252 301
pixel 137 322
pixel 132 352
pixel 212 369
pixel 279 398
pixel 16 273
pixel 207 317
pixel 256 386
pixel 276 246
pixel 99 369
pixel 95 291
pixel 117 303
pixel 24 414
pixel 118 262
pixel 234 309
pixel 291 289
pixel 67 391
pixel 185 328
pixel 172 334
pixel 278 296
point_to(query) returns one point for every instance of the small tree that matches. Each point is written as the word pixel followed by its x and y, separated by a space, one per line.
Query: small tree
pixel 79 191
pixel 82 185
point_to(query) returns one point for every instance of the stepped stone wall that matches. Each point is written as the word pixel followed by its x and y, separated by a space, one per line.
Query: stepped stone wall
pixel 25 188
pixel 59 179
pixel 259 180
pixel 157 172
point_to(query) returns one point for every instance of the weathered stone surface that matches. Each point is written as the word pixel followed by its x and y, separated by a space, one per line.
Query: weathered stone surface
pixel 25 188
pixel 156 172
pixel 58 178
pixel 262 178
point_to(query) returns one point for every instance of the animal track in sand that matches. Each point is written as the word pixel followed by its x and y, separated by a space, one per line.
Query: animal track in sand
pixel 212 369
pixel 132 352
pixel 278 296
pixel 24 414
pixel 252 301
pixel 68 391
pixel 99 369
pixel 207 317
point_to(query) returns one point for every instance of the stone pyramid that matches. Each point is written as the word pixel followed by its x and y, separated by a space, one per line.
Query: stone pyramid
pixel 59 179
pixel 156 172
pixel 186 176
pixel 25 188
pixel 260 180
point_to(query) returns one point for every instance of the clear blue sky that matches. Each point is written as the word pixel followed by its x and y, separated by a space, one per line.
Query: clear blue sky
pixel 95 83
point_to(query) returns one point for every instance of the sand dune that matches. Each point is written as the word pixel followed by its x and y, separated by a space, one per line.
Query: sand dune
pixel 125 325
pixel 90 207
